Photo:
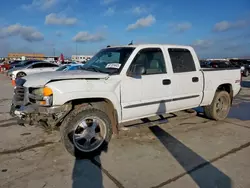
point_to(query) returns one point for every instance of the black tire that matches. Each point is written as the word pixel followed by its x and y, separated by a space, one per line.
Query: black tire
pixel 20 75
pixel 246 73
pixel 211 110
pixel 67 130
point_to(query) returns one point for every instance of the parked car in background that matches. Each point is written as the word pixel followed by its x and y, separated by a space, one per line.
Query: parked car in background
pixel 7 66
pixel 205 64
pixel 120 84
pixel 220 64
pixel 244 65
pixel 68 62
pixel 22 65
pixel 70 67
pixel 33 68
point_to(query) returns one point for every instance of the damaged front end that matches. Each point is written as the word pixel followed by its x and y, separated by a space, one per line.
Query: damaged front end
pixel 34 106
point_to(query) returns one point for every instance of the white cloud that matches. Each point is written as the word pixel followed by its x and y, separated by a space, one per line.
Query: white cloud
pixel 142 22
pixel 55 19
pixel 226 25
pixel 41 4
pixel 202 44
pixel 109 12
pixel 182 27
pixel 84 36
pixel 139 10
pixel 27 33
pixel 107 2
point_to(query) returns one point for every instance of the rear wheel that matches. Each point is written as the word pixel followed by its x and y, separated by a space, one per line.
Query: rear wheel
pixel 20 74
pixel 220 106
pixel 86 131
pixel 246 73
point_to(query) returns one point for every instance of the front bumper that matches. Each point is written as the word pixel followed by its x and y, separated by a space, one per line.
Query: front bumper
pixel 34 109
pixel 33 113
pixel 26 108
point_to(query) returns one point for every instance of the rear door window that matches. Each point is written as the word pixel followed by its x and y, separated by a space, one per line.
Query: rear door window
pixel 182 60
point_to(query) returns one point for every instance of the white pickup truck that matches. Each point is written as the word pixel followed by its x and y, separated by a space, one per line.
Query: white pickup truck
pixel 121 84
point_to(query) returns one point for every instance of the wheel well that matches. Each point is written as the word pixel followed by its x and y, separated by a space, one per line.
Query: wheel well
pixel 227 88
pixel 21 72
pixel 103 104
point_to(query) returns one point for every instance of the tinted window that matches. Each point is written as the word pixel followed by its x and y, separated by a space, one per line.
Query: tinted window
pixel 38 65
pixel 151 59
pixel 182 60
pixel 44 65
pixel 49 65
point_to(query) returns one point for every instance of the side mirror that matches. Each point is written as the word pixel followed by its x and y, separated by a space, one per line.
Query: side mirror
pixel 137 72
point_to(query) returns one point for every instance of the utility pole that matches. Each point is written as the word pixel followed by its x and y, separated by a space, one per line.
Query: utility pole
pixel 54 52
pixel 76 48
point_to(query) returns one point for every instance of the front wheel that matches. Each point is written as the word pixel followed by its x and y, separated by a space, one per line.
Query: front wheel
pixel 220 106
pixel 20 75
pixel 85 132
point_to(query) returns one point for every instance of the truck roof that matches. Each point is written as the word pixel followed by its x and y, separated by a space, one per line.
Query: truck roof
pixel 152 45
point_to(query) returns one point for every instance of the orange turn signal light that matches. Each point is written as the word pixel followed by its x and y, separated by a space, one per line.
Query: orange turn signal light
pixel 47 91
pixel 42 102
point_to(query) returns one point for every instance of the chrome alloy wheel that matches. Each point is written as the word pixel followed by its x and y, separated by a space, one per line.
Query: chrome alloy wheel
pixel 89 134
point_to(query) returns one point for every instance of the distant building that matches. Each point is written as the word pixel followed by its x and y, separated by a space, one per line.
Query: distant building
pixel 26 55
pixel 51 58
pixel 80 58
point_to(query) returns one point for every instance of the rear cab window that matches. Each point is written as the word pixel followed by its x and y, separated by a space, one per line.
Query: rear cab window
pixel 182 60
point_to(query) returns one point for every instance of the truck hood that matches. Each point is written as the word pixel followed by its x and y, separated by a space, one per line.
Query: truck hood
pixel 40 79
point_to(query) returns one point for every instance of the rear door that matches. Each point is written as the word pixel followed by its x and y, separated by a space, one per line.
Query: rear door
pixel 187 80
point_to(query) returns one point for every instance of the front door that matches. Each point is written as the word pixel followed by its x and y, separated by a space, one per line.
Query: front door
pixel 149 93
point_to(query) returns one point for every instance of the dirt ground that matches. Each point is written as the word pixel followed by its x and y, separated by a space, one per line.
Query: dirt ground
pixel 182 150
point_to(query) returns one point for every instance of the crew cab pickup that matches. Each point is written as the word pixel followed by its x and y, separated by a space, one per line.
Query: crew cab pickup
pixel 121 84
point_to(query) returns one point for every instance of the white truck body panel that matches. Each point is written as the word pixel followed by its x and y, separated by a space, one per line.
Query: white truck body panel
pixel 135 98
pixel 216 78
pixel 40 79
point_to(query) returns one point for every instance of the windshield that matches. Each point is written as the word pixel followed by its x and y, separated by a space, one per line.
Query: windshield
pixel 109 60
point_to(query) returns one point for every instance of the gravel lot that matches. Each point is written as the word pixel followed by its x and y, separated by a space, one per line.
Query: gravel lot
pixel 183 150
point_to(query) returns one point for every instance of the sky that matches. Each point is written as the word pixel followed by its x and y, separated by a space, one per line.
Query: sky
pixel 215 28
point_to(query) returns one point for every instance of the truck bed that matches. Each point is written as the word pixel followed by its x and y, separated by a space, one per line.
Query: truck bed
pixel 219 69
pixel 214 77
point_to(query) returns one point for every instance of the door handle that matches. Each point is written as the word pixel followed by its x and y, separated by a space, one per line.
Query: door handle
pixel 166 82
pixel 195 79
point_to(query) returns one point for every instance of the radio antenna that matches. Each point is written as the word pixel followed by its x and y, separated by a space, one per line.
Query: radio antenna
pixel 131 43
